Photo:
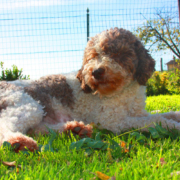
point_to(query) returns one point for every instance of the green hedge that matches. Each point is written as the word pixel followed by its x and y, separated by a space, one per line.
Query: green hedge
pixel 167 82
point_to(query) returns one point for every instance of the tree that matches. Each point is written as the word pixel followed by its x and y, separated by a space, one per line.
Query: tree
pixel 162 32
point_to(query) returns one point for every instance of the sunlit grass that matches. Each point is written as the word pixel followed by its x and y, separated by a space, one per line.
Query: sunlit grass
pixel 143 161
pixel 164 103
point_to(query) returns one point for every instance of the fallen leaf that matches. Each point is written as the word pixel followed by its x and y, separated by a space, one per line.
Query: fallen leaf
pixel 123 144
pixel 102 176
pixel 17 170
pixel 162 161
pixel 11 164
pixel 126 150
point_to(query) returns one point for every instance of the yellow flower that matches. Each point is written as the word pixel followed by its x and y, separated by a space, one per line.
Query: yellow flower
pixel 102 176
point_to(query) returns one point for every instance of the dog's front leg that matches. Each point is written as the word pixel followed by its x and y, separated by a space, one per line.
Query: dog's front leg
pixel 17 118
pixel 20 141
pixel 78 128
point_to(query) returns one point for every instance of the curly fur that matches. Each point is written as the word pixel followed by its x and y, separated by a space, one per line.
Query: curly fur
pixel 109 90
pixel 121 54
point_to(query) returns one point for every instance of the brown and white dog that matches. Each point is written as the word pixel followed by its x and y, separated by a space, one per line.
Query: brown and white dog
pixel 108 90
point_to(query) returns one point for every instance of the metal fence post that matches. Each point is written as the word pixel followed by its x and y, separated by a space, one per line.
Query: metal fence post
pixel 161 64
pixel 87 24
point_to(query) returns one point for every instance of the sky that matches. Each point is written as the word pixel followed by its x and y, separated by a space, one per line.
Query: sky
pixel 49 36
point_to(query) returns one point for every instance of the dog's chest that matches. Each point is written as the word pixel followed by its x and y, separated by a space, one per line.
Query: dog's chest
pixel 94 109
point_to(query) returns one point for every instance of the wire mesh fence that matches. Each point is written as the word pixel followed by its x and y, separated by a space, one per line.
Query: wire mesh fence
pixel 49 36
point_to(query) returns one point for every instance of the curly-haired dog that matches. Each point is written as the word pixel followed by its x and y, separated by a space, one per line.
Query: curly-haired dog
pixel 108 90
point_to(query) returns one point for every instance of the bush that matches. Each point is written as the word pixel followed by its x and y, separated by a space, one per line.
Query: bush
pixel 157 84
pixel 167 82
pixel 11 75
pixel 174 81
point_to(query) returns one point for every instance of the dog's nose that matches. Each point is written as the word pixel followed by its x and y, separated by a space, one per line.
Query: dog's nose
pixel 98 73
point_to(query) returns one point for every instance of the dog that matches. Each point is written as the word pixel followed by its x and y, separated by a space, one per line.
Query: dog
pixel 108 90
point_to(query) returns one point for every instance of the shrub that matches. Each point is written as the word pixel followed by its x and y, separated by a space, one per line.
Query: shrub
pixel 167 82
pixel 11 75
pixel 157 84
pixel 174 80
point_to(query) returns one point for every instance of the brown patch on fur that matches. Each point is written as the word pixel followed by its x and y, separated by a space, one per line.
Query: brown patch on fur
pixel 129 52
pixel 108 84
pixel 3 104
pixel 89 53
pixel 8 86
pixel 118 46
pixel 146 64
pixel 48 87
pixel 4 86
pixel 84 86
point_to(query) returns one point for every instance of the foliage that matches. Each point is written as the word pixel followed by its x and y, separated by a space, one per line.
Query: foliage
pixel 167 82
pixel 157 84
pixel 12 74
pixel 174 79
pixel 161 31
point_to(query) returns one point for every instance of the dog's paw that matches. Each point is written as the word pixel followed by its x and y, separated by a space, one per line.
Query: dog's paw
pixel 79 128
pixel 19 142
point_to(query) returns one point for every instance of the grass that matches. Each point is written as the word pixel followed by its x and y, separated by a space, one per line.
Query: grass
pixel 145 159
pixel 164 103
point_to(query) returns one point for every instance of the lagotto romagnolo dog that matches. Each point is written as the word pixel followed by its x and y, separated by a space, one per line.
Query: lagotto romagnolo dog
pixel 108 90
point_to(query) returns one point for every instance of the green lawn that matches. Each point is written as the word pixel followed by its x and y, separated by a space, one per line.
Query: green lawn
pixel 141 158
pixel 164 103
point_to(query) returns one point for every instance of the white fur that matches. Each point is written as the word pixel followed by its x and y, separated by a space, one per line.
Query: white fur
pixel 117 112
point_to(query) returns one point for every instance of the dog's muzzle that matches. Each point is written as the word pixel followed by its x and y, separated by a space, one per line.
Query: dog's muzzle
pixel 98 73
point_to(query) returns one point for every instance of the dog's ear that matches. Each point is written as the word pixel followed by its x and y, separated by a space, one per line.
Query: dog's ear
pixel 146 64
pixel 84 86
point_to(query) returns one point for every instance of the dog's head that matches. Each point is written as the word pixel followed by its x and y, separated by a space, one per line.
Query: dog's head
pixel 112 60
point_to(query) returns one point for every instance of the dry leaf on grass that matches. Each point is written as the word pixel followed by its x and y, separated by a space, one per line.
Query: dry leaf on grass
pixel 11 164
pixel 102 176
pixel 162 161
pixel 123 146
